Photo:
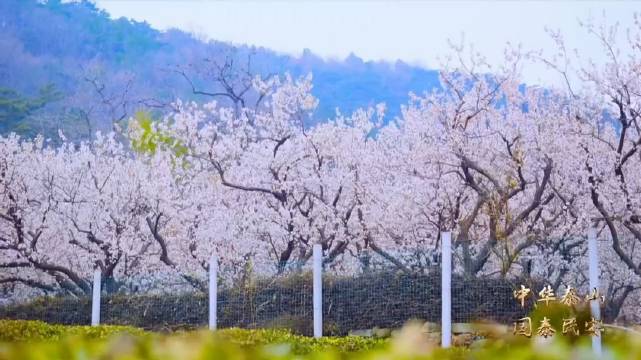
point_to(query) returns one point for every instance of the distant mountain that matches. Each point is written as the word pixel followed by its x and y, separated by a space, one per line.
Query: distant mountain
pixel 93 69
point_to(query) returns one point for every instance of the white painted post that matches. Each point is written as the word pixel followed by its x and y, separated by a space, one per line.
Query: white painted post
pixel 593 256
pixel 318 290
pixel 213 291
pixel 446 289
pixel 95 299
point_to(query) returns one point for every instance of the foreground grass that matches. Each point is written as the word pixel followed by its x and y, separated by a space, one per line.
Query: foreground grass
pixel 19 334
pixel 32 340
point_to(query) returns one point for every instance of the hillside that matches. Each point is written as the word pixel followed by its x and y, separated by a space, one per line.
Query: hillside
pixel 69 65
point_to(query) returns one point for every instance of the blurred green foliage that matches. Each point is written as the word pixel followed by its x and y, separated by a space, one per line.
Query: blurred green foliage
pixel 297 344
pixel 21 331
pixel 28 340
pixel 148 138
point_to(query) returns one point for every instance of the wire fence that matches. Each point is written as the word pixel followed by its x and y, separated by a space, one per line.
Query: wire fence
pixel 65 310
pixel 373 296
pixel 382 298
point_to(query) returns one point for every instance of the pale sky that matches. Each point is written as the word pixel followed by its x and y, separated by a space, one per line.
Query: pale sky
pixel 416 32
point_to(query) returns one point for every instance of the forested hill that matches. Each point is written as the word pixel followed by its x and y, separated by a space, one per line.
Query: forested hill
pixel 69 65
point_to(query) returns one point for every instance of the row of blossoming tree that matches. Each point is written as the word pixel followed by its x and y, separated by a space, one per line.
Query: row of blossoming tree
pixel 517 173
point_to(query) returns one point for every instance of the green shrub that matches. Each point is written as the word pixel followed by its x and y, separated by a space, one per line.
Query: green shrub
pixel 16 330
pixel 38 331
pixel 236 344
pixel 299 344
pixel 20 330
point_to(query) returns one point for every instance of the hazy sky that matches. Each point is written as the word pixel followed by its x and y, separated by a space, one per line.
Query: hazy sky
pixel 413 31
